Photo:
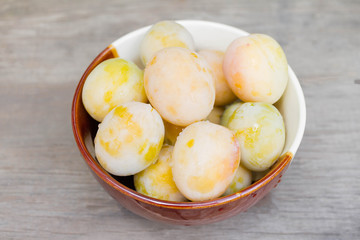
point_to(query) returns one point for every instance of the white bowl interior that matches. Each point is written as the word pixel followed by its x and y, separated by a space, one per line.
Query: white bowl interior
pixel 210 35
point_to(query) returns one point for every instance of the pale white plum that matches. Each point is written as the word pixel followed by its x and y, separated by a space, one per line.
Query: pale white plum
pixel 229 110
pixel 129 139
pixel 256 68
pixel 205 159
pixel 215 115
pixel 180 86
pixel 171 132
pixel 112 82
pixel 242 179
pixel 157 180
pixel 162 35
pixel 260 130
pixel 224 95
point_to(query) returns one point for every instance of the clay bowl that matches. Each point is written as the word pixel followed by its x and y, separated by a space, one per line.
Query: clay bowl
pixel 206 35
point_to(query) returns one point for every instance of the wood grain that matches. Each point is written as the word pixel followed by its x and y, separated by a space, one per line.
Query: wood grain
pixel 46 190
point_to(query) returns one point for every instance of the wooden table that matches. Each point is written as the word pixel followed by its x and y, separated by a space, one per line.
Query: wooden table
pixel 46 190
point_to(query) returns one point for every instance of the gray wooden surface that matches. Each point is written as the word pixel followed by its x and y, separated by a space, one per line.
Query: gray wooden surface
pixel 46 190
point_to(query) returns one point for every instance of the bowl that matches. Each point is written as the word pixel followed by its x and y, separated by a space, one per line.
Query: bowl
pixel 207 35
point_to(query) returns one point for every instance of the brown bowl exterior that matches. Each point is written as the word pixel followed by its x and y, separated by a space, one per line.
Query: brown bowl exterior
pixel 183 213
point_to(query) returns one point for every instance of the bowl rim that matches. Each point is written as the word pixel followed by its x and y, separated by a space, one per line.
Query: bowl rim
pixel 281 164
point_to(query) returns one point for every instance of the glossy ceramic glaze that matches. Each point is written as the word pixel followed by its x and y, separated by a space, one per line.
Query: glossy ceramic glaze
pixel 207 35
